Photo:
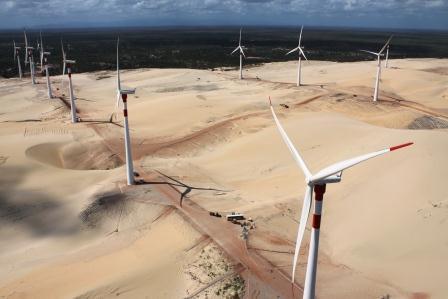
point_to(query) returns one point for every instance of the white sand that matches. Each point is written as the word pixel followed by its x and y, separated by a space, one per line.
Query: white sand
pixel 383 230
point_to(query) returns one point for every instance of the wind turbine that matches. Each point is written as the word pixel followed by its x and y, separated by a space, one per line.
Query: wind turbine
pixel 301 53
pixel 240 48
pixel 378 72
pixel 47 73
pixel 317 182
pixel 68 66
pixel 17 56
pixel 127 139
pixel 29 51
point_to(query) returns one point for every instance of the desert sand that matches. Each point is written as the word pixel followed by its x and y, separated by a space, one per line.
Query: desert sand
pixel 70 227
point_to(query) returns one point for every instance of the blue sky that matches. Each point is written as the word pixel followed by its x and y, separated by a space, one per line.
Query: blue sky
pixel 416 14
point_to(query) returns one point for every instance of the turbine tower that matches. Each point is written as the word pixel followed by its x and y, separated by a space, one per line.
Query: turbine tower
pixel 127 139
pixel 317 183
pixel 47 73
pixel 17 57
pixel 240 48
pixel 378 71
pixel 301 53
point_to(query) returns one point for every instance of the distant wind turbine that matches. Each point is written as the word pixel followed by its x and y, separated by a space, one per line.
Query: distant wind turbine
pixel 240 48
pixel 69 64
pixel 127 139
pixel 378 72
pixel 301 53
pixel 47 72
pixel 29 51
pixel 17 56
pixel 317 182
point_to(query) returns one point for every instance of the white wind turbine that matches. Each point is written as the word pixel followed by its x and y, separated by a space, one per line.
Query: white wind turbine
pixel 29 51
pixel 47 72
pixel 68 63
pixel 301 53
pixel 17 56
pixel 378 72
pixel 240 48
pixel 127 139
pixel 317 182
pixel 29 58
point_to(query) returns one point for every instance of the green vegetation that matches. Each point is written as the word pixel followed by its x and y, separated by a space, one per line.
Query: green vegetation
pixel 207 47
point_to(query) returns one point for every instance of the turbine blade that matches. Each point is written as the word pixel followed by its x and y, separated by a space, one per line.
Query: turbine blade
pixel 117 104
pixel 26 48
pixel 240 37
pixel 242 52
pixel 386 44
pixel 301 51
pixel 302 225
pixel 340 166
pixel 293 50
pixel 370 52
pixel 300 37
pixel 15 49
pixel 118 68
pixel 236 49
pixel 63 52
pixel 41 42
pixel 291 147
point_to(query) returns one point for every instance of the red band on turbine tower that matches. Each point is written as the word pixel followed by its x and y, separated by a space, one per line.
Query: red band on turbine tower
pixel 124 97
pixel 316 221
pixel 319 190
pixel 125 112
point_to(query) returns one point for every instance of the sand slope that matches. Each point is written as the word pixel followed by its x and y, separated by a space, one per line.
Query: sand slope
pixel 71 228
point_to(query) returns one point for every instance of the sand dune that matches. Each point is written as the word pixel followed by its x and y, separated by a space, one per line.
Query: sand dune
pixel 71 228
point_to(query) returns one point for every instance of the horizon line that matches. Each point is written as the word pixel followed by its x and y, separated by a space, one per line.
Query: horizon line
pixel 328 27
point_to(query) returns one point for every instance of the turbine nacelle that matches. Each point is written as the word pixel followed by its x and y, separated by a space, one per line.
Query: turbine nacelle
pixel 335 178
pixel 127 91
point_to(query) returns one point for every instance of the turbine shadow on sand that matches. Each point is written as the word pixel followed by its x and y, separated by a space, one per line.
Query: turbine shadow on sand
pixel 178 183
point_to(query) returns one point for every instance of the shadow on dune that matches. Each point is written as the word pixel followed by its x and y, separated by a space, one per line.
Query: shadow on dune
pixel 111 205
pixel 32 211
pixel 178 183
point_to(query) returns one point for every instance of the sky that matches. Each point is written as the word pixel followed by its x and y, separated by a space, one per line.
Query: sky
pixel 413 14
